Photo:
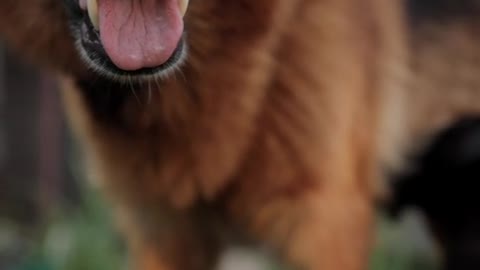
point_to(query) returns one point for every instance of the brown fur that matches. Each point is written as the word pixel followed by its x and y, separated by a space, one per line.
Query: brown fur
pixel 277 127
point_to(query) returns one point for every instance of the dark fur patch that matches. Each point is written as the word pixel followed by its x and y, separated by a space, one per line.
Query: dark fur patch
pixel 445 188
pixel 106 100
pixel 441 10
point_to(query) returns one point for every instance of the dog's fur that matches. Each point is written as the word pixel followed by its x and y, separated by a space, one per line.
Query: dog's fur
pixel 278 127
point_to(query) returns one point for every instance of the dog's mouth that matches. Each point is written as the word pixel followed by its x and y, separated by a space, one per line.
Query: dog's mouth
pixel 132 37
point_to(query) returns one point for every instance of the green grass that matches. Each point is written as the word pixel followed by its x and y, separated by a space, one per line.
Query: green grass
pixel 86 240
pixel 396 250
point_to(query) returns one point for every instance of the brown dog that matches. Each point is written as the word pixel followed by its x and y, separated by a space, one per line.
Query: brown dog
pixel 271 120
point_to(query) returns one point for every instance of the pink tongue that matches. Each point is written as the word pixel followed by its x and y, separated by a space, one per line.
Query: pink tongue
pixel 139 34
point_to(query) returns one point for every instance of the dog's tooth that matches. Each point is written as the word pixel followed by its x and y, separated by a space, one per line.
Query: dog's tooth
pixel 92 7
pixel 183 4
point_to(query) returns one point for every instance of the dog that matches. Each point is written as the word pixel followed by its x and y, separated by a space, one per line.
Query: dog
pixel 443 185
pixel 272 121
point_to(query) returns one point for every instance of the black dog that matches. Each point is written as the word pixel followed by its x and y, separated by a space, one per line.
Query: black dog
pixel 445 187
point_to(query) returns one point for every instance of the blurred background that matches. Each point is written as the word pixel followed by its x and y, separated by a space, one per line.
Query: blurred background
pixel 51 220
